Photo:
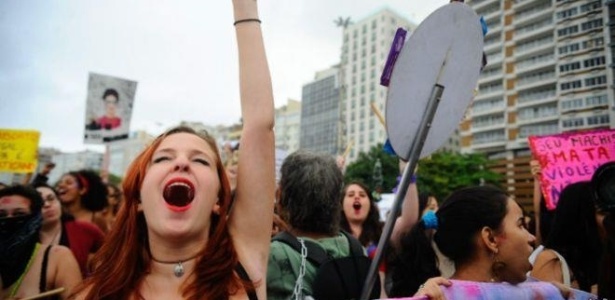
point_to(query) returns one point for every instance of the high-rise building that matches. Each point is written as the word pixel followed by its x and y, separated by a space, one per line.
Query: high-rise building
pixel 288 126
pixel 547 73
pixel 320 113
pixel 365 48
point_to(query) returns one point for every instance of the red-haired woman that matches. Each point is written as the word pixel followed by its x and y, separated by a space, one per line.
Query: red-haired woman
pixel 175 236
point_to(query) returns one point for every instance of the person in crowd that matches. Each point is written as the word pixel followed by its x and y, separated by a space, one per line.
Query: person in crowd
pixel 308 201
pixel 175 237
pixel 28 268
pixel 543 217
pixel 59 228
pixel 427 202
pixel 114 198
pixel 571 254
pixel 481 229
pixel 603 187
pixel 361 218
pixel 84 196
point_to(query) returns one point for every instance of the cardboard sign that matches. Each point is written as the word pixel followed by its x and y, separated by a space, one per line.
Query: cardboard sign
pixel 109 109
pixel 570 157
pixel 18 150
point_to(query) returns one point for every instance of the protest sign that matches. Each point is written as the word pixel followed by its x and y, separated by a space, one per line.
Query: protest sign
pixel 570 157
pixel 18 150
pixel 109 109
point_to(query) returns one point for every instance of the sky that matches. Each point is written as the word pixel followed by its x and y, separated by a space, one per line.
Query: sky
pixel 182 53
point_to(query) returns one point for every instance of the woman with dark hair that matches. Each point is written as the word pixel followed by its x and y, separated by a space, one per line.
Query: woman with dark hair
pixel 360 216
pixel 114 198
pixel 84 196
pixel 572 251
pixel 481 229
pixel 175 235
pixel 59 228
pixel 427 202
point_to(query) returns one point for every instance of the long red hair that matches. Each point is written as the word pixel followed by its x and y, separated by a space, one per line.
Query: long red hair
pixel 123 260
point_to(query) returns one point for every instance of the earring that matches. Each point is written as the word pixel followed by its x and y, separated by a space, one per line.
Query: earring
pixel 496 267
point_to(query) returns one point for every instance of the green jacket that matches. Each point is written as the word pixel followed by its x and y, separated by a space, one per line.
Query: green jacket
pixel 285 262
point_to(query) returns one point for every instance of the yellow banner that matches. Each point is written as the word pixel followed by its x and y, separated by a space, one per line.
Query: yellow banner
pixel 18 150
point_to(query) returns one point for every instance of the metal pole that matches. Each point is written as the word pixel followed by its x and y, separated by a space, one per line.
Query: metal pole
pixel 413 156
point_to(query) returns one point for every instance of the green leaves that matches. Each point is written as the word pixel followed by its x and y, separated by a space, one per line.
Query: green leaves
pixel 440 174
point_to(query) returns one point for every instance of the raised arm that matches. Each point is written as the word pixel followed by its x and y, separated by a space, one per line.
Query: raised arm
pixel 535 169
pixel 252 215
pixel 409 212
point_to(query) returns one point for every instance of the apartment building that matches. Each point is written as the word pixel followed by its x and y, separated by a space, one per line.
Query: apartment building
pixel 549 71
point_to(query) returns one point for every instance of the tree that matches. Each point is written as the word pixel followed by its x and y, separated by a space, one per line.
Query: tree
pixel 444 172
pixel 363 169
pixel 439 175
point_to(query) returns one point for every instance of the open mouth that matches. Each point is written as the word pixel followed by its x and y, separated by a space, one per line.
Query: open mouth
pixel 178 194
pixel 356 206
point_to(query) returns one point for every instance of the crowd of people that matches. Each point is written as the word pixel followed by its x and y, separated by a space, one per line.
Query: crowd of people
pixel 192 221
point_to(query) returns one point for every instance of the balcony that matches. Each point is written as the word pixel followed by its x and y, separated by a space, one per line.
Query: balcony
pixel 477 5
pixel 532 14
pixel 536 97
pixel 538 28
pixel 533 45
pixel 536 79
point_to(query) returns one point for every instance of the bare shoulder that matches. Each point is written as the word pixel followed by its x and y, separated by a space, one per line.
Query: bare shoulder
pixel 547 256
pixel 547 267
pixel 60 252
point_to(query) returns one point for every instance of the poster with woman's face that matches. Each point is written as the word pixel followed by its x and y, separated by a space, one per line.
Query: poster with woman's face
pixel 108 109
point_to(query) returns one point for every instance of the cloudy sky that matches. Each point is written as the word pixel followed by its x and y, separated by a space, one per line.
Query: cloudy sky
pixel 182 54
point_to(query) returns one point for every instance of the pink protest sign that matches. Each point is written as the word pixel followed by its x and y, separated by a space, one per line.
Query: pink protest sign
pixel 570 157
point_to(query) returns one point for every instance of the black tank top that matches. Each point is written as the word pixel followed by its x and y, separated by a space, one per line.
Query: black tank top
pixel 42 286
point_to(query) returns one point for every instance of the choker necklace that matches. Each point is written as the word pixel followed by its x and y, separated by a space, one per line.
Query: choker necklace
pixel 178 270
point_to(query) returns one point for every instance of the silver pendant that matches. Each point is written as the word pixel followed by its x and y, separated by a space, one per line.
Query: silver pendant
pixel 179 269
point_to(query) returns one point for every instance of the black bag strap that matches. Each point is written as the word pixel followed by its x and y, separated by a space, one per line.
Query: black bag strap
pixel 356 249
pixel 42 286
pixel 316 254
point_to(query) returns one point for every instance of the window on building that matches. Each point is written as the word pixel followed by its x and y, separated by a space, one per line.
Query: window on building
pixel 592 62
pixel 567 13
pixel 576 122
pixel 568 30
pixel 589 25
pixel 572 104
pixel 570 67
pixel 598 120
pixel 595 5
pixel 595 81
pixel 596 100
pixel 570 85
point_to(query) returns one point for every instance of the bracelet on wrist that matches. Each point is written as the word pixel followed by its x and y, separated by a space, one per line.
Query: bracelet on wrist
pixel 246 21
